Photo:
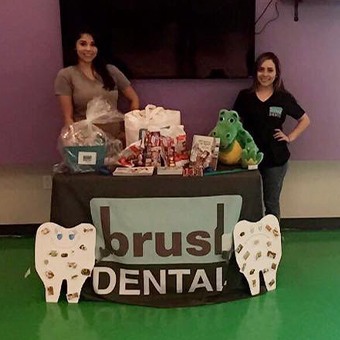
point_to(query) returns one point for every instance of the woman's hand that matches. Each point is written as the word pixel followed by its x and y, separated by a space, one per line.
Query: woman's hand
pixel 301 126
pixel 68 122
pixel 280 136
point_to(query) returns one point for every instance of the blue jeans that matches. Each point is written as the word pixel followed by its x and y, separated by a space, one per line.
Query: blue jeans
pixel 272 181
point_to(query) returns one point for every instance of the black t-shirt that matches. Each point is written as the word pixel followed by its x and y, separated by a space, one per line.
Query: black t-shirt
pixel 261 119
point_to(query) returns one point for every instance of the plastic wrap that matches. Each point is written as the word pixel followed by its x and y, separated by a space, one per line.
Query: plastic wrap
pixel 84 146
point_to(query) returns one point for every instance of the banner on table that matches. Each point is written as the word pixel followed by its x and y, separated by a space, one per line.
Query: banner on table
pixel 164 251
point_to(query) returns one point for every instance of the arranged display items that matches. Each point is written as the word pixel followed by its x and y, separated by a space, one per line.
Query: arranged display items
pixel 154 137
pixel 176 258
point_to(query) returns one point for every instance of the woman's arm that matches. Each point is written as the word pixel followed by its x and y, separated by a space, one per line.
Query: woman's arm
pixel 131 95
pixel 301 126
pixel 66 109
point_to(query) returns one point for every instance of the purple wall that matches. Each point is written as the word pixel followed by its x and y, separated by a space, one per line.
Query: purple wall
pixel 31 56
pixel 309 50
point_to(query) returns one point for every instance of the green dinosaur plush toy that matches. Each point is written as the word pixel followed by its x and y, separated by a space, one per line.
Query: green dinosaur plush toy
pixel 237 146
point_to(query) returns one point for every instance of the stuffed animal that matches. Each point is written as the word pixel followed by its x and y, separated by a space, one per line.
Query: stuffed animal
pixel 237 146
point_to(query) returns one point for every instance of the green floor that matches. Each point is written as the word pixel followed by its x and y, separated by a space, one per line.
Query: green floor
pixel 306 304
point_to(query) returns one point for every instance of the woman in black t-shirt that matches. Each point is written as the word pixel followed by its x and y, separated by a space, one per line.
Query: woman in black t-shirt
pixel 263 109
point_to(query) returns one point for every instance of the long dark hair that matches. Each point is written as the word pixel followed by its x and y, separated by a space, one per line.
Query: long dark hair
pixel 278 83
pixel 98 63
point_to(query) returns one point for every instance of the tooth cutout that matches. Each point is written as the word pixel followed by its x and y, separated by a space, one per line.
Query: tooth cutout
pixel 64 254
pixel 258 247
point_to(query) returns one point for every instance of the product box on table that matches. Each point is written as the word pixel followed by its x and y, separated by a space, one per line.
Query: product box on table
pixel 84 158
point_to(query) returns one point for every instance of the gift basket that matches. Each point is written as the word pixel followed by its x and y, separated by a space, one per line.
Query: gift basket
pixel 154 137
pixel 84 146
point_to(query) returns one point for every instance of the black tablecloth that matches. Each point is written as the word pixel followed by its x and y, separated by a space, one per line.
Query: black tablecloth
pixel 71 196
pixel 71 193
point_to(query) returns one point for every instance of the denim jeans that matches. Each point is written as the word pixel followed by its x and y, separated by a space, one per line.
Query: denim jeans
pixel 272 181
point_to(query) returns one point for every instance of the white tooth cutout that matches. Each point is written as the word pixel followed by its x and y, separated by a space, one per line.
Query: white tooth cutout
pixel 258 248
pixel 64 254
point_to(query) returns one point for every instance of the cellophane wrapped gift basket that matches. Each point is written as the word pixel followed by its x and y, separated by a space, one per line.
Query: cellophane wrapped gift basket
pixel 84 145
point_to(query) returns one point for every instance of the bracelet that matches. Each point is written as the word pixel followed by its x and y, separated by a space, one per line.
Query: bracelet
pixel 288 139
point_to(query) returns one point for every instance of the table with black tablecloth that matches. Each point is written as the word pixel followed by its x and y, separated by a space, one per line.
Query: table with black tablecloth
pixel 71 193
pixel 70 206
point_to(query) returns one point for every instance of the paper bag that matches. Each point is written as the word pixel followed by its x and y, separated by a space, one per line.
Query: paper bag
pixel 150 118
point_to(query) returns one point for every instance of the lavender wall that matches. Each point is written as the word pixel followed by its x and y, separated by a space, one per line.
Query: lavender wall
pixel 309 50
pixel 31 56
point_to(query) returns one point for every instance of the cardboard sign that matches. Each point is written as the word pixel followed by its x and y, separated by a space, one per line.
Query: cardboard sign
pixel 64 254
